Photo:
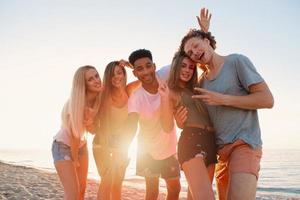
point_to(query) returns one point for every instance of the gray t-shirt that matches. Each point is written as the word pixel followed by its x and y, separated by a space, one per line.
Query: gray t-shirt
pixel 231 124
pixel 163 73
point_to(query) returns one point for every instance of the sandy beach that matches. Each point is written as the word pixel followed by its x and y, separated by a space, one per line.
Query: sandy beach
pixel 20 182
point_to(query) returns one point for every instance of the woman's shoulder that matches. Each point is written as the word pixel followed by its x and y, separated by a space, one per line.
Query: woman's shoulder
pixel 132 86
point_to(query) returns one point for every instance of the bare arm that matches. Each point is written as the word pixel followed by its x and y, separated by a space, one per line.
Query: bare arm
pixel 167 120
pixel 74 146
pixel 130 126
pixel 90 120
pixel 132 86
pixel 259 97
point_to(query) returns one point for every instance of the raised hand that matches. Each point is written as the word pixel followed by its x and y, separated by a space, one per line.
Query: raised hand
pixel 204 19
pixel 124 63
pixel 166 110
pixel 163 90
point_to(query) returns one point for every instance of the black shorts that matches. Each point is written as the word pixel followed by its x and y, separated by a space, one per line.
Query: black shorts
pixel 195 141
pixel 167 168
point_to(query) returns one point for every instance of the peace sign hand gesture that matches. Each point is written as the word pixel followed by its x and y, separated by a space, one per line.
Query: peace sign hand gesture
pixel 209 97
pixel 163 90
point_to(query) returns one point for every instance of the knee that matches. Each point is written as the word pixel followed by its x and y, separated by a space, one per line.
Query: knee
pixel 152 193
pixel 116 186
pixel 105 185
pixel 72 195
pixel 174 190
pixel 107 179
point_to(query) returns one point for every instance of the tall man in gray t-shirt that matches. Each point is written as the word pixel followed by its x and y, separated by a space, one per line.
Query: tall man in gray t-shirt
pixel 233 91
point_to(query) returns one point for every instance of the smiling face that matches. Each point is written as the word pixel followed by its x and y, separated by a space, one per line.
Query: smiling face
pixel 144 70
pixel 93 81
pixel 186 70
pixel 199 50
pixel 118 79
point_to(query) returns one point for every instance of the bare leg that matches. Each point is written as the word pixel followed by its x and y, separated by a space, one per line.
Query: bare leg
pixel 222 180
pixel 242 183
pixel 189 195
pixel 197 177
pixel 117 180
pixel 82 172
pixel 116 188
pixel 211 171
pixel 105 187
pixel 242 186
pixel 152 184
pixel 68 177
pixel 173 187
pixel 102 161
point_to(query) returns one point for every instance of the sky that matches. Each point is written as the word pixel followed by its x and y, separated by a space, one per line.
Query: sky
pixel 42 43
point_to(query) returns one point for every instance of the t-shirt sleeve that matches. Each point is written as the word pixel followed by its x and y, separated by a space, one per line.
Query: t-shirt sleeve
pixel 247 73
pixel 163 73
pixel 133 104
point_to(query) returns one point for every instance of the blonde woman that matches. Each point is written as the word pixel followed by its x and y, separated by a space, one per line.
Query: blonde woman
pixel 69 148
pixel 111 143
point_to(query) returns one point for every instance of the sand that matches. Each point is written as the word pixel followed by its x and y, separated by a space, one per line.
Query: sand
pixel 20 182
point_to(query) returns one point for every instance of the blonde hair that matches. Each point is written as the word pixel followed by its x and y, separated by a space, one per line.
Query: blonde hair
pixel 73 111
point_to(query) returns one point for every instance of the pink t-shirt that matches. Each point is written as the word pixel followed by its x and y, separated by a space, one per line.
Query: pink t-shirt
pixel 154 140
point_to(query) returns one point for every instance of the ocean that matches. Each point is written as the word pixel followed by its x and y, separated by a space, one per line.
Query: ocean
pixel 279 175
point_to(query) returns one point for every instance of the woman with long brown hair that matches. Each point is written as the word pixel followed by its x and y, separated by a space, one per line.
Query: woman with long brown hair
pixel 111 143
pixel 196 146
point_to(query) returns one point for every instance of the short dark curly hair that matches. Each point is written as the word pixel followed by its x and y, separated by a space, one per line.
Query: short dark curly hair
pixel 197 33
pixel 140 53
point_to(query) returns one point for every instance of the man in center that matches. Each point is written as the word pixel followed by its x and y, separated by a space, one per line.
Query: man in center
pixel 147 106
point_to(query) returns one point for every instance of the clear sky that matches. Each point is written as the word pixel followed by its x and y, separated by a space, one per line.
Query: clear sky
pixel 42 43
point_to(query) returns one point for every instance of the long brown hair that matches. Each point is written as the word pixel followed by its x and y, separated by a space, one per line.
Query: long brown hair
pixel 106 96
pixel 173 81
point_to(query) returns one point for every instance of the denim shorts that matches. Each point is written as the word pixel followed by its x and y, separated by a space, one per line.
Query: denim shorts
pixel 62 152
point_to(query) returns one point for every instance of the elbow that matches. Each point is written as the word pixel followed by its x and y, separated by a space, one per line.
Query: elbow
pixel 168 129
pixel 269 102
